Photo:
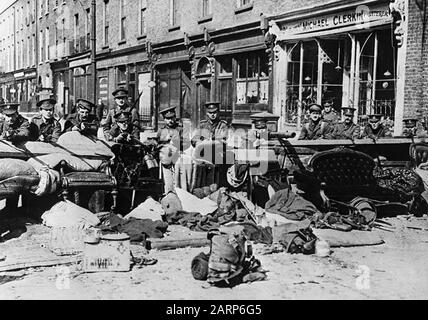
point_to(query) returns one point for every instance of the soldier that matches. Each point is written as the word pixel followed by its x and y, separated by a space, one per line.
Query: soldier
pixel 83 121
pixel 346 129
pixel 47 128
pixel 316 128
pixel 122 105
pixel 329 114
pixel 413 128
pixel 212 128
pixel 172 131
pixel 375 129
pixel 15 127
pixel 123 131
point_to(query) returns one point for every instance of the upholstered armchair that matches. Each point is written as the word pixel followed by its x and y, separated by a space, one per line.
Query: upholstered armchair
pixel 418 154
pixel 79 182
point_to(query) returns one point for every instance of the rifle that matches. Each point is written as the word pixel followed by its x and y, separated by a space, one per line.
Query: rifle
pixel 138 100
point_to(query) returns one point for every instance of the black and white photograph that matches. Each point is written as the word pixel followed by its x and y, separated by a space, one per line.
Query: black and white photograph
pixel 226 152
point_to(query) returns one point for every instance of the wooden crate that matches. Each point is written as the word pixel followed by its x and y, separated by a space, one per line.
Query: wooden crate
pixel 111 254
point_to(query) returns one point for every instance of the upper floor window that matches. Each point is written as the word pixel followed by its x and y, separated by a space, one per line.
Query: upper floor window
pixel 206 8
pixel 242 3
pixel 143 8
pixel 105 23
pixel 122 20
pixel 46 6
pixel 173 9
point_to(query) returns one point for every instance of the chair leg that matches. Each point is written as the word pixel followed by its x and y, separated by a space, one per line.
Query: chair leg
pixel 65 194
pixel 114 194
pixel 77 197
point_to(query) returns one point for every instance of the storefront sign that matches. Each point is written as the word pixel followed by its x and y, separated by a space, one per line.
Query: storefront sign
pixel 30 74
pixel 79 63
pixel 19 75
pixel 360 16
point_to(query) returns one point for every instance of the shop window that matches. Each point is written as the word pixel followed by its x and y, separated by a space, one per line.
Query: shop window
pixel 376 75
pixel 121 76
pixel 302 78
pixel 252 80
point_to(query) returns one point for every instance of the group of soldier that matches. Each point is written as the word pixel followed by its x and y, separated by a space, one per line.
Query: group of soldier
pixel 122 124
pixel 324 123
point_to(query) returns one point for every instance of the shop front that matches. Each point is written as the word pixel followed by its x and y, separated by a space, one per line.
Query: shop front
pixel 131 70
pixel 347 54
pixel 61 86
pixel 228 66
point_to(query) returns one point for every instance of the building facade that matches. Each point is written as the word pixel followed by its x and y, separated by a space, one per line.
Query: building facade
pixel 250 55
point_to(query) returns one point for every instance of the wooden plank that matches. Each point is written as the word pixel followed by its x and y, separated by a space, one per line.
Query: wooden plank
pixel 41 261
pixel 166 244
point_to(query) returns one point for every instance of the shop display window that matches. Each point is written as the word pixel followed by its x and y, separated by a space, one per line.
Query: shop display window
pixel 252 80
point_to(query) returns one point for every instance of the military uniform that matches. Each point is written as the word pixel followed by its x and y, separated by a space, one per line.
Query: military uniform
pixel 331 117
pixel 314 131
pixel 342 130
pixel 208 130
pixel 112 114
pixel 17 132
pixel 380 132
pixel 122 136
pixel 50 129
pixel 75 120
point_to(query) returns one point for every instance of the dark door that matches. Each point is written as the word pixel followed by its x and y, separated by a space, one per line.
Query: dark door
pixel 203 96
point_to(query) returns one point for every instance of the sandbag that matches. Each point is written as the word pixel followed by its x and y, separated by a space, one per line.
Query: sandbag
pixel 191 203
pixel 149 209
pixel 171 204
pixel 14 167
pixel 78 144
pixel 52 161
pixel 67 214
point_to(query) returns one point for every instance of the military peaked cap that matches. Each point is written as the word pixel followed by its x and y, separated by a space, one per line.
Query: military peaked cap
pixel 46 104
pixel 120 93
pixel 85 104
pixel 168 112
pixel 10 108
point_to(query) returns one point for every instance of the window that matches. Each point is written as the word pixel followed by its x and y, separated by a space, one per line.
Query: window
pixel 143 30
pixel 88 28
pixel 173 12
pixel 40 8
pixel 22 54
pixel 243 3
pixel 41 46
pixel 122 28
pixel 76 29
pixel 34 50
pixel 252 79
pixel 206 8
pixel 47 45
pixel 358 71
pixel 29 53
pixel 56 42
pixel 105 23
pixel 46 6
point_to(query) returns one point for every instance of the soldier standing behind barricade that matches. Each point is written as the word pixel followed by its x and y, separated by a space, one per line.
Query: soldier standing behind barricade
pixel 172 131
pixel 15 127
pixel 123 131
pixel 316 128
pixel 375 129
pixel 330 115
pixel 122 105
pixel 346 129
pixel 83 121
pixel 212 128
pixel 47 128
pixel 413 128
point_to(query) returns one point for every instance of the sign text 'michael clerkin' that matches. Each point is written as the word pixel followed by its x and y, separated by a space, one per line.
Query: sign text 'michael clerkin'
pixel 348 18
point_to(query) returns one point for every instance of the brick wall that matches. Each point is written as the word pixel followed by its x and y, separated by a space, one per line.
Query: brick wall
pixel 416 92
pixel 224 15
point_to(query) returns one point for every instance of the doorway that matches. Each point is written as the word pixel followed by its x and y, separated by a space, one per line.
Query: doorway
pixel 203 93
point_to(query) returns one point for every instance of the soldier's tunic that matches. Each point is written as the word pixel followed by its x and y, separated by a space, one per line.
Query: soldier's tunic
pixel 116 131
pixel 74 120
pixel 381 132
pixel 344 131
pixel 50 129
pixel 332 117
pixel 209 130
pixel 314 131
pixel 110 120
pixel 173 135
pixel 20 130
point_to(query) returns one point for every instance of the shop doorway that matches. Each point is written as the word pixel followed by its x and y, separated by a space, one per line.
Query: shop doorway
pixel 203 95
